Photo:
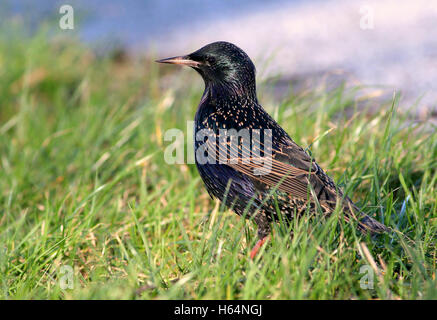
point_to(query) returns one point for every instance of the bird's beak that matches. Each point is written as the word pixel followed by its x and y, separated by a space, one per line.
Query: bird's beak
pixel 182 60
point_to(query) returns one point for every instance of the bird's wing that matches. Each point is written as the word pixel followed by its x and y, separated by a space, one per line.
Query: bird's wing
pixel 289 169
pixel 293 171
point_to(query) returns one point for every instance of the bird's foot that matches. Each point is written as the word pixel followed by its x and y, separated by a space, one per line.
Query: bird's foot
pixel 258 246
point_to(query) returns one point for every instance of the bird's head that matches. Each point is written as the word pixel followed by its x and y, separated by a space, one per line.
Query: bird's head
pixel 220 64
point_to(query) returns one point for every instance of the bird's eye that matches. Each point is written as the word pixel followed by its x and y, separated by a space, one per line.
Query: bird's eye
pixel 210 60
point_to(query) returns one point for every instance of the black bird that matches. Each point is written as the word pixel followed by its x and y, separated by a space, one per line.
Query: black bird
pixel 293 183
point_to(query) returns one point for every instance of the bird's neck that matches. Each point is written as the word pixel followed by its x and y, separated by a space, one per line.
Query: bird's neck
pixel 220 104
pixel 232 91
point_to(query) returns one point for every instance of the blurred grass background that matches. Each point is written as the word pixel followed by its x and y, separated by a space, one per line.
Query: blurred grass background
pixel 83 183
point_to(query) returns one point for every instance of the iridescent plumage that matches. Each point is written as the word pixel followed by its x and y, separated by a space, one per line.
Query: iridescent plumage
pixel 294 182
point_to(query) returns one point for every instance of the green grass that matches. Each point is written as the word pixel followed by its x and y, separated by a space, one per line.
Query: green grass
pixel 83 183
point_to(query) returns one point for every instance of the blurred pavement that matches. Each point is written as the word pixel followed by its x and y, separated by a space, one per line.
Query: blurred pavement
pixel 296 38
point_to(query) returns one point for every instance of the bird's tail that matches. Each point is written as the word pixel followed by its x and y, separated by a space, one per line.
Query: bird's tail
pixel 366 224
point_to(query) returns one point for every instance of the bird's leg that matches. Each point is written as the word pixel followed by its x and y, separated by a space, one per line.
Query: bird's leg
pixel 263 232
pixel 257 246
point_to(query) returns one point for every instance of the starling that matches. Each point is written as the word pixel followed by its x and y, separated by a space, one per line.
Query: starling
pixel 291 184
